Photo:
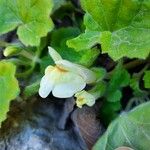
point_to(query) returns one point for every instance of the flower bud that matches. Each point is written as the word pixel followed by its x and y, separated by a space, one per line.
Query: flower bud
pixel 11 50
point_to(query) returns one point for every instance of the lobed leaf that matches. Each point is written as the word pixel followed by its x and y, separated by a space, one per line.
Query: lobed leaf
pixel 123 26
pixel 9 88
pixel 30 16
pixel 120 78
pixel 130 129
pixel 84 41
pixel 58 41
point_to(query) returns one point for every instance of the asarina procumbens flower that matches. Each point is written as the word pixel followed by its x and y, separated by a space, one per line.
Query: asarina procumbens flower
pixel 84 97
pixel 65 78
pixel 89 97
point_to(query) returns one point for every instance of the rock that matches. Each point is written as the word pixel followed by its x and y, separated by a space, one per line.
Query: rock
pixel 88 123
pixel 49 124
pixel 41 125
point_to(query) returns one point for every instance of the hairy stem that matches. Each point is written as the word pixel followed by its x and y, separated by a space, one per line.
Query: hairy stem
pixel 35 59
pixel 30 56
pixel 134 63
pixel 128 66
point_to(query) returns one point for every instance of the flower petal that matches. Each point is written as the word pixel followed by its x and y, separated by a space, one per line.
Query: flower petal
pixel 54 54
pixel 69 83
pixel 46 86
pixel 84 97
pixel 49 69
pixel 88 75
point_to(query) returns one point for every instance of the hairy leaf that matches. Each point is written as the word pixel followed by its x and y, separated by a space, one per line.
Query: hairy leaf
pixel 9 88
pixel 129 129
pixel 112 105
pixel 84 41
pixel 120 78
pixel 59 38
pixel 124 27
pixel 30 16
pixel 58 42
pixel 109 111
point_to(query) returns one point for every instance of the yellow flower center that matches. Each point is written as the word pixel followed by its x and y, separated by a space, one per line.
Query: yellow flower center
pixel 81 100
pixel 61 69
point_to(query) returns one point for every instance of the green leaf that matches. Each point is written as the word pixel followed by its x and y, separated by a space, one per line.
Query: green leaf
pixel 100 73
pixel 99 89
pixel 109 111
pixel 61 10
pixel 129 129
pixel 119 79
pixel 135 85
pixel 90 23
pixel 32 89
pixel 58 41
pixel 88 39
pixel 45 61
pixel 88 57
pixel 61 35
pixel 12 50
pixel 123 26
pixel 30 16
pixel 58 4
pixel 147 79
pixel 114 95
pixel 84 41
pixel 9 88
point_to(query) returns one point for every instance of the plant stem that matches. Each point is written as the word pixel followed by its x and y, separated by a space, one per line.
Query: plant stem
pixel 26 73
pixel 127 66
pixel 18 61
pixel 28 55
pixel 134 63
pixel 35 59
pixel 136 101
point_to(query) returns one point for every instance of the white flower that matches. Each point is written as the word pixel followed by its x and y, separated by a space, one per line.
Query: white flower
pixel 89 97
pixel 65 78
pixel 83 98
